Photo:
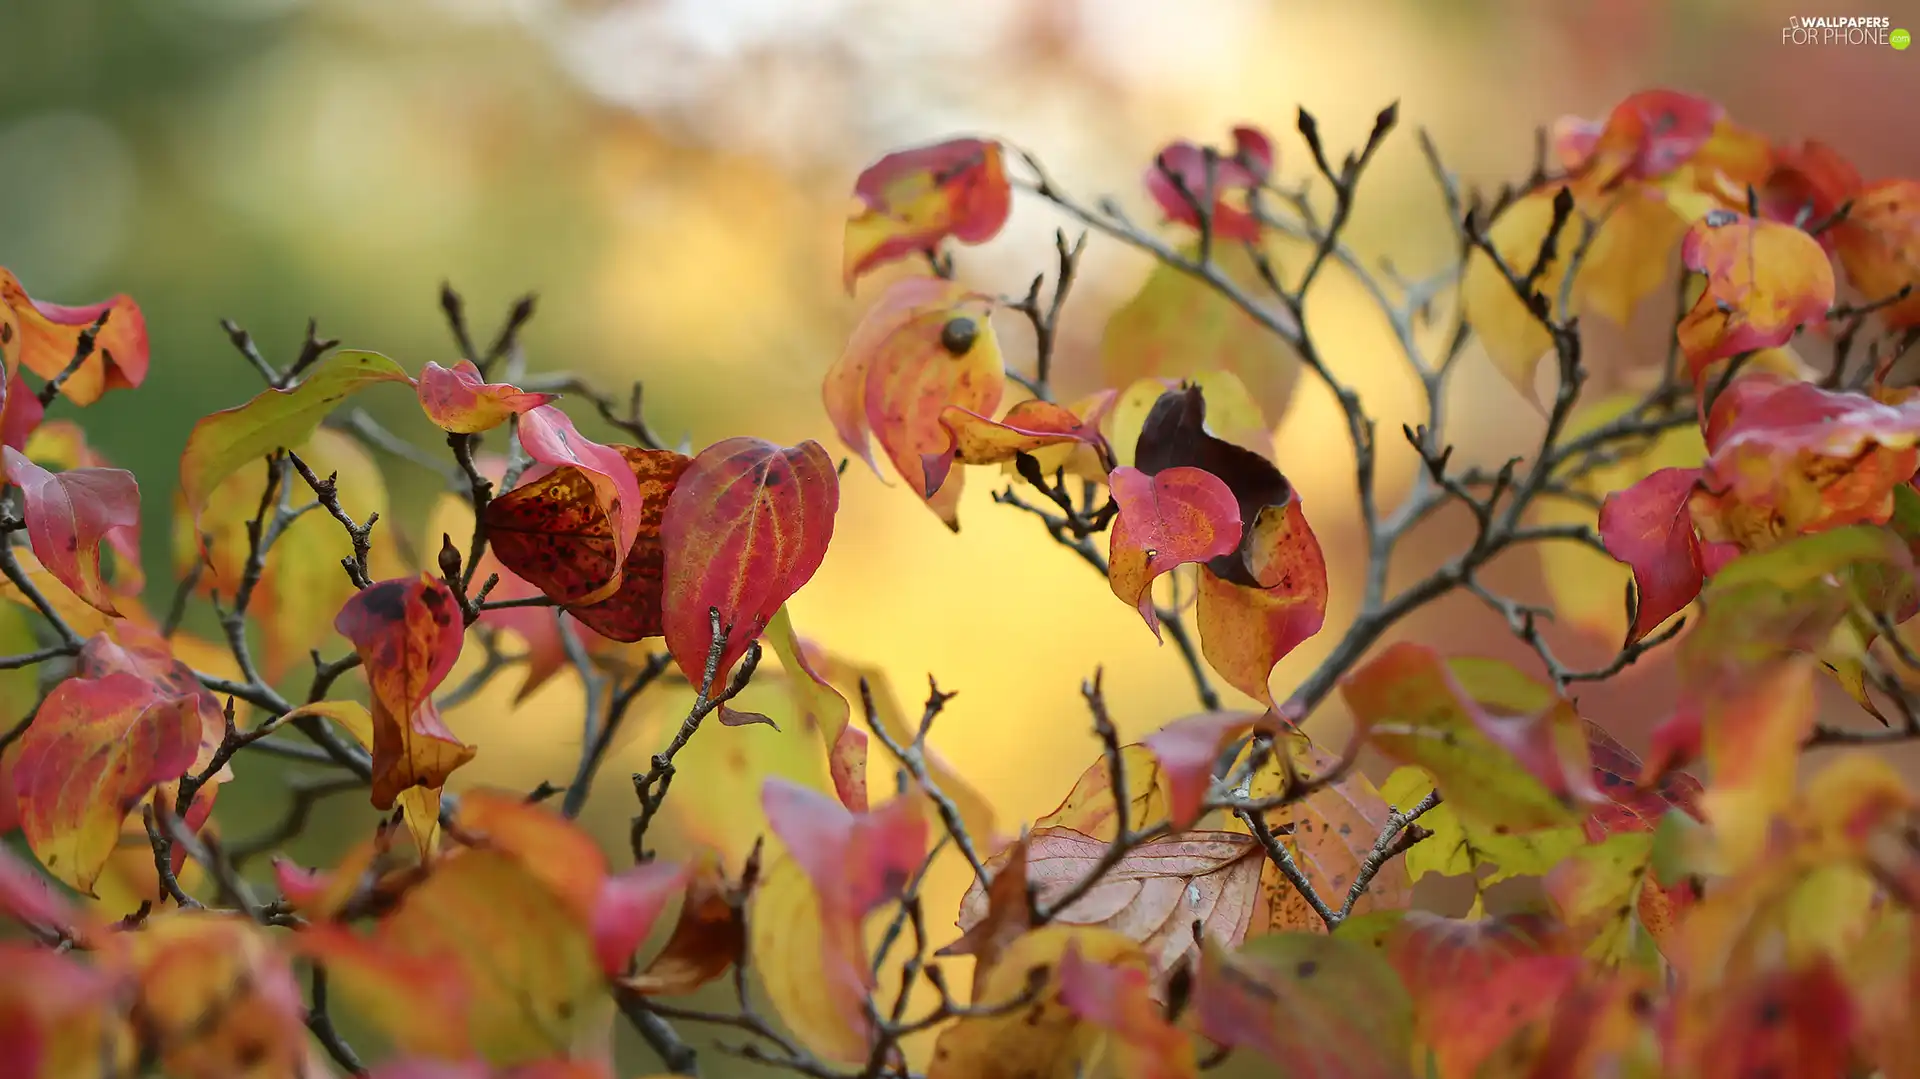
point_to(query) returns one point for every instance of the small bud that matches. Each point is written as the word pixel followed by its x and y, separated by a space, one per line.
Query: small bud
pixel 449 558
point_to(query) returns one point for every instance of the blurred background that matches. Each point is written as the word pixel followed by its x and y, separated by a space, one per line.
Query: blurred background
pixel 672 177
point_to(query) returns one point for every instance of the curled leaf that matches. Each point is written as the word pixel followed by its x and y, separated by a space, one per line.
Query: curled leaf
pixel 973 439
pixel 1764 280
pixel 69 514
pixel 408 634
pixel 549 437
pixel 1649 527
pixel 747 525
pixel 1177 516
pixel 910 200
pixel 461 400
pixel 47 335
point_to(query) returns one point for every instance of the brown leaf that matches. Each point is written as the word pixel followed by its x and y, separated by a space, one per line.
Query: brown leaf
pixel 705 942
pixel 1154 895
pixel 1008 915
pixel 1330 833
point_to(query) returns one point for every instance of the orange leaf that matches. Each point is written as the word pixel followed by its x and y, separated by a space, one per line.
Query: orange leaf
pixel 69 514
pixel 1043 1039
pixel 973 439
pixel 49 335
pixel 910 200
pixel 746 526
pixel 408 634
pixel 926 345
pixel 1879 244
pixel 1008 913
pixel 1154 895
pixel 707 939
pixel 549 437
pixel 94 749
pixel 1764 280
pixel 217 996
pixel 1646 137
pixel 1331 834
pixel 461 400
pixel 1752 739
pixel 551 532
pixel 418 1002
pixel 1118 998
pixel 1246 631
pixel 59 1016
pixel 1177 516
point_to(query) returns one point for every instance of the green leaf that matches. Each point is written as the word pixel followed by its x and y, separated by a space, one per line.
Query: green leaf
pixel 228 439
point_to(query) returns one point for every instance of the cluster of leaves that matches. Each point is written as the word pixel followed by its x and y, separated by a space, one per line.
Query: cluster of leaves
pixel 1228 884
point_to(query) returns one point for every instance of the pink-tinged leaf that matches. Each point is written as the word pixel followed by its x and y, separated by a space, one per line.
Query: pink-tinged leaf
pixel 408 633
pixel 1178 182
pixel 1764 281
pixel 1646 137
pixel 747 525
pixel 95 748
pixel 1246 631
pixel 1475 984
pixel 20 409
pixel 1633 805
pixel 69 514
pixel 1649 528
pixel 910 200
pixel 549 437
pixel 1321 1007
pixel 420 1002
pixel 973 439
pixel 1177 516
pixel 1118 998
pixel 1188 749
pixel 884 326
pixel 945 357
pixel 630 903
pixel 49 335
pixel 460 399
pixel 1879 244
pixel 26 897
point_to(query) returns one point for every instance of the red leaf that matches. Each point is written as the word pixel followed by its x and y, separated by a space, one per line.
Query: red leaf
pixel 1631 806
pixel 1246 631
pixel 20 408
pixel 630 903
pixel 910 200
pixel 1646 137
pixel 549 437
pixel 1320 1007
pixel 1809 183
pixel 93 751
pixel 26 897
pixel 1177 180
pixel 1175 435
pixel 461 400
pixel 1119 999
pixel 856 861
pixel 746 526
pixel 1785 1022
pixel 551 532
pixel 1649 527
pixel 49 335
pixel 1178 516
pixel 1475 984
pixel 1764 280
pixel 407 632
pixel 973 439
pixel 69 514
pixel 1187 750
pixel 1879 244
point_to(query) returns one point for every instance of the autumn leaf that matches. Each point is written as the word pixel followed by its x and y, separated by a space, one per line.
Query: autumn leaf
pixel 1649 528
pixel 460 399
pixel 551 532
pixel 1646 136
pixel 1154 895
pixel 1183 176
pixel 1030 426
pixel 1513 336
pixel 1879 245
pixel 1118 999
pixel 1499 760
pixel 216 996
pixel 823 706
pixel 926 346
pixel 274 419
pixel 1764 280
pixel 1178 327
pixel 94 749
pixel 1809 182
pixel 49 335
pixel 1089 807
pixel 1330 833
pixel 408 635
pixel 58 1015
pixel 746 526
pixel 1043 1038
pixel 708 938
pixel 419 1002
pixel 1796 1022
pixel 549 437
pixel 911 200
pixel 1008 912
pixel 850 863
pixel 69 514
pixel 1597 890
pixel 1314 1006
pixel 1187 750
pixel 1752 742
pixel 1476 984
pixel 62 446
pixel 1632 806
pixel 1459 846
pixel 1261 600
pixel 28 898
pixel 1178 516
